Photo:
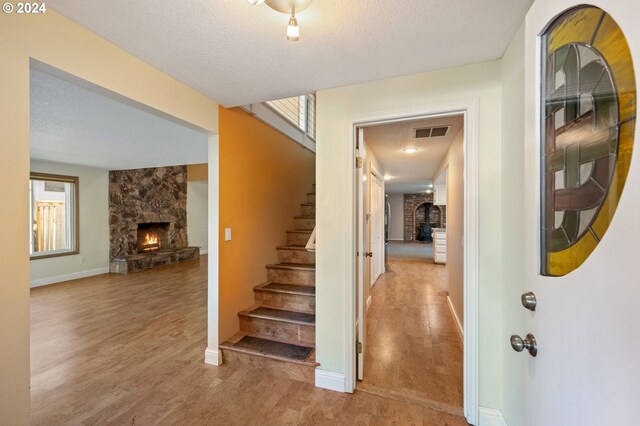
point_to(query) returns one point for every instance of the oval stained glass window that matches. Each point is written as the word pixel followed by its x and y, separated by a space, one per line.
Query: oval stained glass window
pixel 588 126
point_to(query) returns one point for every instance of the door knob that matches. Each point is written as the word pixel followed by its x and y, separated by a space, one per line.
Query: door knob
pixel 368 254
pixel 529 343
pixel 529 301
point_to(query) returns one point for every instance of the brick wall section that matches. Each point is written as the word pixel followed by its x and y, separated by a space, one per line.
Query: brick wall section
pixel 411 202
pixel 412 218
pixel 435 215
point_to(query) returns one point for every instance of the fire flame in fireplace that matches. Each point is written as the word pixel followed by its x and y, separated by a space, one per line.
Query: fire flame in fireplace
pixel 150 241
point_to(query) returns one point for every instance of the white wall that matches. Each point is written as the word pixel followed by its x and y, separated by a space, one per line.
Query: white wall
pixel 335 201
pixel 94 227
pixel 197 200
pixel 454 164
pixel 396 227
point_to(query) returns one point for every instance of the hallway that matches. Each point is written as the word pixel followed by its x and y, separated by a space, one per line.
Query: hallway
pixel 412 251
pixel 413 351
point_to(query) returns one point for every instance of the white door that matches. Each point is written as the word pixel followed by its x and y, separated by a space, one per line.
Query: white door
pixel 376 228
pixel 587 322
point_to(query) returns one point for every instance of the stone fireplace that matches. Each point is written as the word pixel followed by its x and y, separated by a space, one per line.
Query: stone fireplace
pixel 148 218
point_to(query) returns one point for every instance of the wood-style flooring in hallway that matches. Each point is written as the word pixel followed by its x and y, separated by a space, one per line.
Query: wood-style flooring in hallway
pixel 128 350
pixel 413 350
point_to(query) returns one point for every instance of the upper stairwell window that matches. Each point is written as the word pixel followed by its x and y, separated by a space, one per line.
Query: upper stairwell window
pixel 53 215
pixel 300 111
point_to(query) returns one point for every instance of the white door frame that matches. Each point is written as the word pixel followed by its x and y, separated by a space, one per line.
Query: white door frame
pixel 469 108
pixel 212 353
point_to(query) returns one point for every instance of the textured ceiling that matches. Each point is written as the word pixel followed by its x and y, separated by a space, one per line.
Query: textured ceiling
pixel 410 173
pixel 238 54
pixel 72 124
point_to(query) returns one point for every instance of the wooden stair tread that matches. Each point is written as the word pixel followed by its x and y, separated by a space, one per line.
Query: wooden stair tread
pixel 304 217
pixel 293 266
pixel 292 247
pixel 265 347
pixel 301 290
pixel 280 315
pixel 308 204
pixel 273 348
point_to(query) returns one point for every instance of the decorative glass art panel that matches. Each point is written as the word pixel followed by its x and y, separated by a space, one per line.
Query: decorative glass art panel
pixel 588 126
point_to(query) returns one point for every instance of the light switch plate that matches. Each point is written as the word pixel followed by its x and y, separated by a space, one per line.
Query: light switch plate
pixel 227 234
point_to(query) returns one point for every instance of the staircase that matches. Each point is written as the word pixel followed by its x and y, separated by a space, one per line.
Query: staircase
pixel 278 331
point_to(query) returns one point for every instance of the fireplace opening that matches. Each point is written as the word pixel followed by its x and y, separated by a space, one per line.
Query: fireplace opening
pixel 152 236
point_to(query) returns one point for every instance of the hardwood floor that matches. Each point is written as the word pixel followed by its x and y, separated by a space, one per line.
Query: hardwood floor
pixel 128 350
pixel 413 351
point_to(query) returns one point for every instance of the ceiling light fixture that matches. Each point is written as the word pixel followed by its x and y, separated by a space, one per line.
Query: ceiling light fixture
pixel 411 150
pixel 387 177
pixel 293 31
pixel 288 7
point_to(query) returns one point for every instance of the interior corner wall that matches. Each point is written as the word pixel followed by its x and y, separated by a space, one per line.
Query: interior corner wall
pixel 264 177
pixel 454 164
pixel 197 214
pixel 58 42
pixel 396 225
pixel 198 172
pixel 93 209
pixel 513 212
pixel 335 201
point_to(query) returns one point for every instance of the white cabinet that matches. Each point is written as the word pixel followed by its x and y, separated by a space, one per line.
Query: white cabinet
pixel 440 195
pixel 439 245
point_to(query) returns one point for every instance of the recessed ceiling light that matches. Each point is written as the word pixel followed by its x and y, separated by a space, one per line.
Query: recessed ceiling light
pixel 410 150
pixel 387 177
pixel 428 191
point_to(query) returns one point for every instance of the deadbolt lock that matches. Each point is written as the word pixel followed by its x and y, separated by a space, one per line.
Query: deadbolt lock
pixel 529 301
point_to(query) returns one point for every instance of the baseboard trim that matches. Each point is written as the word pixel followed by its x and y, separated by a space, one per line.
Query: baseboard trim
pixel 368 303
pixel 68 277
pixel 330 380
pixel 213 356
pixel 491 417
pixel 456 320
pixel 205 251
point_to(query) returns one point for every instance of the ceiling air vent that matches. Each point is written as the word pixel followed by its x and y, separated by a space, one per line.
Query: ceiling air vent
pixel 431 132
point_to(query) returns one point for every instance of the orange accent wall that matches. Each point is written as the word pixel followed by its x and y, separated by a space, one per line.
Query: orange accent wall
pixel 264 177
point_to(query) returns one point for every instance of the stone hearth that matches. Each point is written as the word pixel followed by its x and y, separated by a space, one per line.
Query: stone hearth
pixel 148 204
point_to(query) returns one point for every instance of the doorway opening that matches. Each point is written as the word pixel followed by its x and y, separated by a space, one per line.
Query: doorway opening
pixel 134 185
pixel 409 330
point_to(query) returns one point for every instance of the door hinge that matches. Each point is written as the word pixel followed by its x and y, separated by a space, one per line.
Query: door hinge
pixel 358 162
pixel 359 347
